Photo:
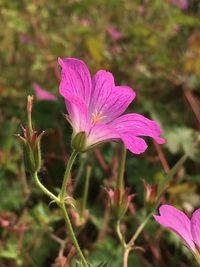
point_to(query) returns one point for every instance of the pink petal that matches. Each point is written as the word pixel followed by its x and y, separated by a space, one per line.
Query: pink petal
pixel 118 102
pixel 108 100
pixel 195 227
pixel 183 4
pixel 78 114
pixel 102 85
pixel 135 144
pixel 114 33
pixel 100 133
pixel 176 221
pixel 75 79
pixel 138 125
pixel 42 94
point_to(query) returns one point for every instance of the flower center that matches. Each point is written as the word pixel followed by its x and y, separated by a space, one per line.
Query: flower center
pixel 97 116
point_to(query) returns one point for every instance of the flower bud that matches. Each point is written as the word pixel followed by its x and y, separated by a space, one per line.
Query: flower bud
pixel 150 193
pixel 28 157
pixel 79 141
pixel 37 152
pixel 32 153
pixel 119 203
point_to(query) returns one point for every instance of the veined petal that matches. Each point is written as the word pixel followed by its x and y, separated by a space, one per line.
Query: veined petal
pixel 78 114
pixel 177 221
pixel 75 79
pixel 109 101
pixel 119 100
pixel 135 144
pixel 42 94
pixel 102 85
pixel 195 227
pixel 100 133
pixel 138 125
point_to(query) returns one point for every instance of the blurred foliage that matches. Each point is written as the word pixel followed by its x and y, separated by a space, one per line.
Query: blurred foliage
pixel 157 52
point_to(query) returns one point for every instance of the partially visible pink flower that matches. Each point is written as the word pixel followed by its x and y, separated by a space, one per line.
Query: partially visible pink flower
pixel 85 22
pixel 178 222
pixel 114 33
pixel 95 106
pixel 183 4
pixel 42 94
pixel 24 38
pixel 116 49
pixel 142 9
pixel 175 29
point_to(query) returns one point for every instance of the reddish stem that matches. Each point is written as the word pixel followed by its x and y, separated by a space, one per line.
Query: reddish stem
pixel 162 157
pixel 125 259
pixel 101 160
pixel 194 104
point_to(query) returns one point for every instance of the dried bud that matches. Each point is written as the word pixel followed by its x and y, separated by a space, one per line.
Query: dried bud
pixel 29 104
pixel 31 142
pixel 150 193
pixel 78 220
pixel 118 202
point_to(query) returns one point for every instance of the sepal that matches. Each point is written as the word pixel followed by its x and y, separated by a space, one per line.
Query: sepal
pixel 79 141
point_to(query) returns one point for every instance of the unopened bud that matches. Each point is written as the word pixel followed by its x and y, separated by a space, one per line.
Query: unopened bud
pixel 32 153
pixel 150 193
pixel 29 161
pixel 37 152
pixel 119 203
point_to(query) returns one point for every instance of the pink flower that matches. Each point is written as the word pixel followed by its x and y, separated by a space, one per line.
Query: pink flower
pixel 114 33
pixel 85 22
pixel 25 38
pixel 95 105
pixel 183 4
pixel 178 222
pixel 42 94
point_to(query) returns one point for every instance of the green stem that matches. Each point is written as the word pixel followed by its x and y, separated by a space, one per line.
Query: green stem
pixel 120 236
pixel 82 160
pixel 44 189
pixel 62 206
pixel 86 189
pixel 72 235
pixel 66 175
pixel 120 178
pixel 61 203
pixel 140 228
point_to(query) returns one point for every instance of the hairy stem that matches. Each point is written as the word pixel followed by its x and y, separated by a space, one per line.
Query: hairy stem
pixel 86 189
pixel 82 162
pixel 72 235
pixel 61 203
pixel 140 228
pixel 62 206
pixel 44 189
pixel 66 175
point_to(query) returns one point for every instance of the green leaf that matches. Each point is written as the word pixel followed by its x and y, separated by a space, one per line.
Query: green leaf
pixel 182 139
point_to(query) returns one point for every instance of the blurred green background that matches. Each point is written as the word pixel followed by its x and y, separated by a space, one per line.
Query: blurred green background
pixel 152 46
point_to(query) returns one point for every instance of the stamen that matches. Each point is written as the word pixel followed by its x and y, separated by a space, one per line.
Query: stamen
pixel 97 116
